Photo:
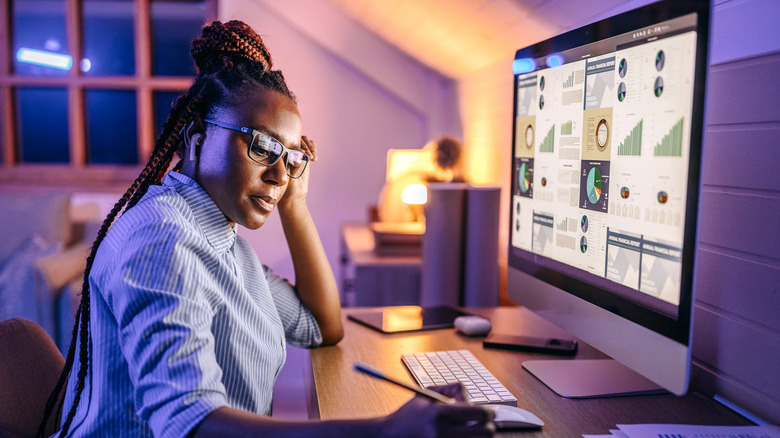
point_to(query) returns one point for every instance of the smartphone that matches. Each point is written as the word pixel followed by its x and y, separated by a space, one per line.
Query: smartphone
pixel 527 343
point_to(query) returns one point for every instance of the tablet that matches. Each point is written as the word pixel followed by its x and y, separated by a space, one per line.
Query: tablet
pixel 397 319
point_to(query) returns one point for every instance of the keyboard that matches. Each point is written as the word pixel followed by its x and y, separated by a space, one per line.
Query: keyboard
pixel 436 368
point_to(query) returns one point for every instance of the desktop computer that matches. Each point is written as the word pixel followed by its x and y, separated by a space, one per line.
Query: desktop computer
pixel 607 137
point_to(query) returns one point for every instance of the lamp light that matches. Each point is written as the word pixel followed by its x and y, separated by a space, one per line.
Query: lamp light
pixel 407 172
pixel 415 194
pixel 47 59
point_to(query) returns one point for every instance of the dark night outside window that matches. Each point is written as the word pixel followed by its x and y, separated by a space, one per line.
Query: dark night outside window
pixel 43 137
pixel 111 122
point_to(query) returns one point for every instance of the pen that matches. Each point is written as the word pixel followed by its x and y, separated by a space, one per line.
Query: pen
pixel 373 372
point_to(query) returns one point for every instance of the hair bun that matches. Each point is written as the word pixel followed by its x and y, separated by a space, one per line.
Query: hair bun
pixel 221 44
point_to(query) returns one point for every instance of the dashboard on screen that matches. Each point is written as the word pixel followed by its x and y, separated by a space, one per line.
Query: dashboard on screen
pixel 606 153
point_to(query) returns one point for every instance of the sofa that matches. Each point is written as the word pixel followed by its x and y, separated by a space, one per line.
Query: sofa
pixel 43 253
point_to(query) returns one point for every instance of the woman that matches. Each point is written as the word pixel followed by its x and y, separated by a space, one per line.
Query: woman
pixel 180 330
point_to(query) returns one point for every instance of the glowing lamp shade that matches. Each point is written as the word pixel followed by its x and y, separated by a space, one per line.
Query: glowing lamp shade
pixel 415 194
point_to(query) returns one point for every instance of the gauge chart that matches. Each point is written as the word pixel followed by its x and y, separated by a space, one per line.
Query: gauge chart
pixel 602 134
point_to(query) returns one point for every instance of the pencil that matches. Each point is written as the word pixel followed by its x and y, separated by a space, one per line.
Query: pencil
pixel 373 372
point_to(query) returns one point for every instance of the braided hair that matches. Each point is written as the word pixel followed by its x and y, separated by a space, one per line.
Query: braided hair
pixel 229 57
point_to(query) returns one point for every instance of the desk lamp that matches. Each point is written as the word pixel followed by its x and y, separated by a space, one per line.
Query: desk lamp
pixel 400 208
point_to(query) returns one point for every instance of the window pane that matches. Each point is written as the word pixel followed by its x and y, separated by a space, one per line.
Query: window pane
pixel 174 25
pixel 109 48
pixel 162 107
pixel 40 42
pixel 112 136
pixel 43 125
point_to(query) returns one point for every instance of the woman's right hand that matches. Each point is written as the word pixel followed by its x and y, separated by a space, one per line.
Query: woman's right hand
pixel 424 418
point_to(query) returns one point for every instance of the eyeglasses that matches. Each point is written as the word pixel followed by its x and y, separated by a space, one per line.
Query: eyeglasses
pixel 266 150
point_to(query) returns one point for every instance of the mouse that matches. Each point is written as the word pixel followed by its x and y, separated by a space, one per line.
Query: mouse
pixel 512 417
pixel 473 325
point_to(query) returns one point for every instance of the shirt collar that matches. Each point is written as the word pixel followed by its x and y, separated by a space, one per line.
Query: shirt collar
pixel 220 234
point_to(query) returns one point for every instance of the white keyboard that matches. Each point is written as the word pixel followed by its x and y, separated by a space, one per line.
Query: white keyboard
pixel 435 368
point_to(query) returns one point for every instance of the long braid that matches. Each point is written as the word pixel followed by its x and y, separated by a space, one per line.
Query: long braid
pixel 228 58
pixel 81 324
pixel 54 396
pixel 159 162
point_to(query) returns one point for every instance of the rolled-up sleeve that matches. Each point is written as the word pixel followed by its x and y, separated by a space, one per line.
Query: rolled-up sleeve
pixel 164 311
pixel 300 327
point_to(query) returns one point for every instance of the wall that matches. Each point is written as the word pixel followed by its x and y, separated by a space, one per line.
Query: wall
pixel 736 323
pixel 358 97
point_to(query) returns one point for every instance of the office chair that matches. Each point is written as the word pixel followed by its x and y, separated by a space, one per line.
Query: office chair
pixel 30 365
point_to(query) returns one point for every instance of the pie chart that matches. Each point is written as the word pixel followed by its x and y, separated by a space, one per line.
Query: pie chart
pixel 524 178
pixel 593 185
pixel 660 59
pixel 659 86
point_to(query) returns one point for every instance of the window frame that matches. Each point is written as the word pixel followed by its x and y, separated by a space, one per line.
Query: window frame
pixel 77 172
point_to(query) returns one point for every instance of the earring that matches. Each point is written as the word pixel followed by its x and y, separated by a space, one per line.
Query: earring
pixel 194 146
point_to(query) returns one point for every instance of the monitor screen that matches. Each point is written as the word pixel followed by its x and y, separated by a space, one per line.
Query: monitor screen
pixel 605 178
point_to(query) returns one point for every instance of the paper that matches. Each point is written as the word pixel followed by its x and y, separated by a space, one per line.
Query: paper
pixel 690 431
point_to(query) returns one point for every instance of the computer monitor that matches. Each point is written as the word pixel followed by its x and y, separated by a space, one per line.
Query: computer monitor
pixel 605 186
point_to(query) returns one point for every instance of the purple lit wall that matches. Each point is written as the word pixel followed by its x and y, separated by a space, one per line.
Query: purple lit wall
pixel 358 97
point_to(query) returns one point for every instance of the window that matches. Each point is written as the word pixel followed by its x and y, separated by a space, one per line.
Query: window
pixel 85 85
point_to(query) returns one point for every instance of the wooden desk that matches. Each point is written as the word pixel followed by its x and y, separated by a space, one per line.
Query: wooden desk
pixel 336 391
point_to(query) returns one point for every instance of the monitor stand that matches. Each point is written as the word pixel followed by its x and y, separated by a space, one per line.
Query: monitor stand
pixel 589 378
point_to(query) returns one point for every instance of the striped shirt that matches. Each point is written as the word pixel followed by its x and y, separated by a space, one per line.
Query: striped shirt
pixel 184 320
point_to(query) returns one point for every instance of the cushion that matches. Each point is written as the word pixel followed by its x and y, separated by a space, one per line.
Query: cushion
pixel 24 291
pixel 28 211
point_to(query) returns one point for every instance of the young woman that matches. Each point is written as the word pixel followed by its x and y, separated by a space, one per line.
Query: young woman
pixel 181 331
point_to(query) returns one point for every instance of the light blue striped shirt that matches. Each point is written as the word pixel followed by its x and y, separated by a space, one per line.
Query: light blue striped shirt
pixel 184 320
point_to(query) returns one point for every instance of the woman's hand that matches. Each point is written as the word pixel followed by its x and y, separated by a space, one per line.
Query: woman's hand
pixel 297 189
pixel 424 418
pixel 314 277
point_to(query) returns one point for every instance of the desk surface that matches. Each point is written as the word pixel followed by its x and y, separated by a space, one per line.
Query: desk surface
pixel 337 391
